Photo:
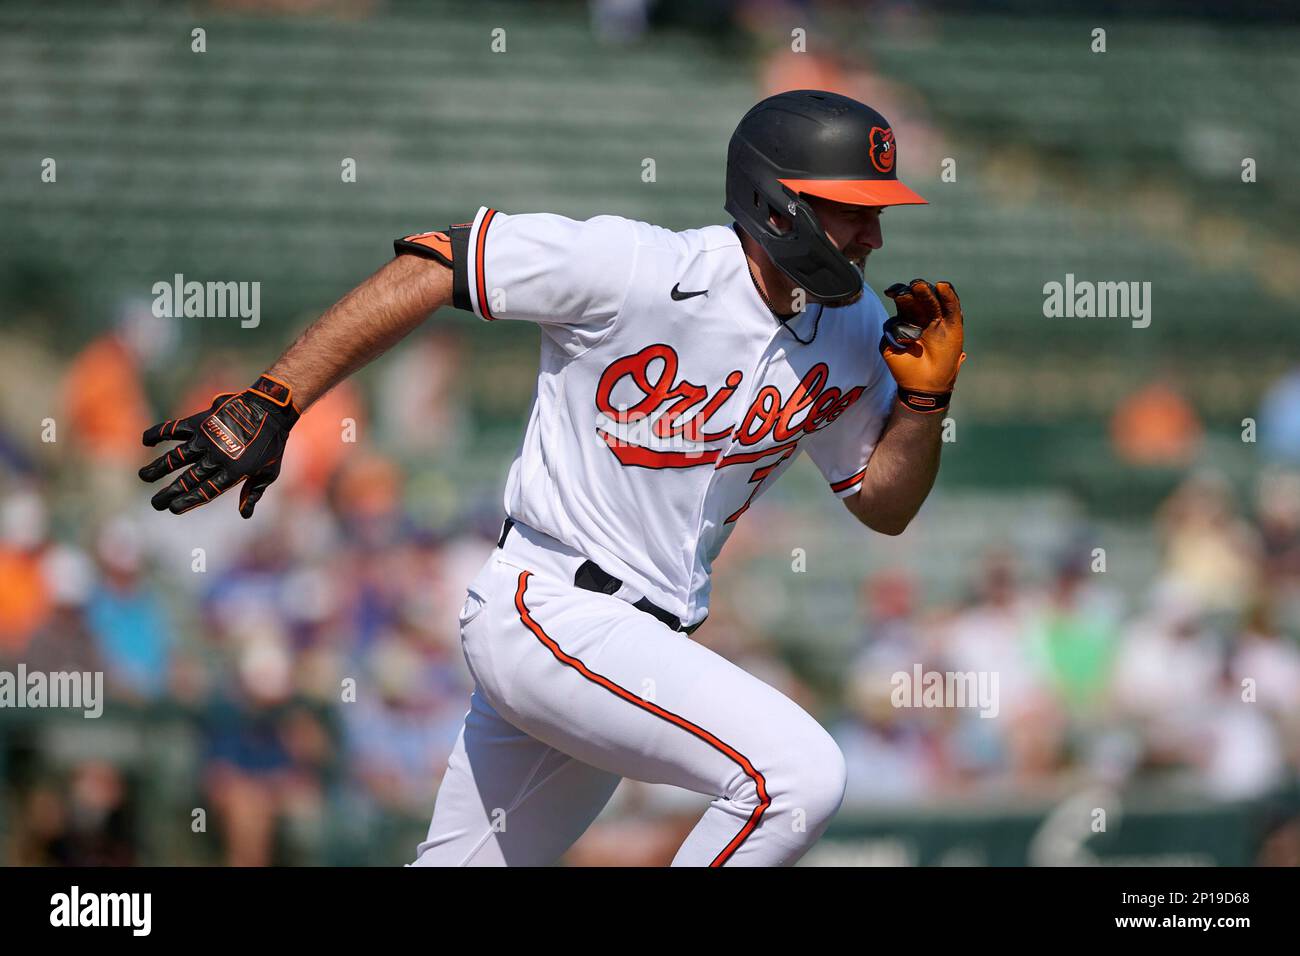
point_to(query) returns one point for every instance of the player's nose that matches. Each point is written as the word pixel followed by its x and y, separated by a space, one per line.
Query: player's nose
pixel 870 235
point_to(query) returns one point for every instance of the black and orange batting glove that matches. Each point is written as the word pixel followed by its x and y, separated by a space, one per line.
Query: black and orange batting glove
pixel 240 437
pixel 922 344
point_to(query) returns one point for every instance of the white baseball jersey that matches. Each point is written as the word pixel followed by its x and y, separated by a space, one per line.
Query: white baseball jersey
pixel 669 397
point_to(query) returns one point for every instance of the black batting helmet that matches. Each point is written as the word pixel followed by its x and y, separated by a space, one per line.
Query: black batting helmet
pixel 811 142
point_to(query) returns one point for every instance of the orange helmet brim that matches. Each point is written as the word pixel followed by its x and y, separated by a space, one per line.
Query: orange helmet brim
pixel 857 192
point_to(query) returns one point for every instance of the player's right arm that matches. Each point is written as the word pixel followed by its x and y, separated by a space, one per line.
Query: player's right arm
pixel 363 325
pixel 240 437
pixel 570 277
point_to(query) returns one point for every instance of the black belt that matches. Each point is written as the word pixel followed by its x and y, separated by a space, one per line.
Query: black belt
pixel 590 577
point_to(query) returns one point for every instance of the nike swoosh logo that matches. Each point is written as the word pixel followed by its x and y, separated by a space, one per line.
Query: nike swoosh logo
pixel 678 294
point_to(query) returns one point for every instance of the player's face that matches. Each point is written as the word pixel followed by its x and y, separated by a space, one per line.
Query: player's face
pixel 855 230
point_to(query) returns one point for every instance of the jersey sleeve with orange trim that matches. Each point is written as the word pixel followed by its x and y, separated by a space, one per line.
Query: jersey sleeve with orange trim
pixel 842 449
pixel 536 267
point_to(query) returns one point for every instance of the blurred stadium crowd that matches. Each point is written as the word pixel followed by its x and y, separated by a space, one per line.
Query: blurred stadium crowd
pixel 229 648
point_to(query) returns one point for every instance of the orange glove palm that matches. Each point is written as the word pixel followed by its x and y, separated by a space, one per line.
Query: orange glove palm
pixel 922 345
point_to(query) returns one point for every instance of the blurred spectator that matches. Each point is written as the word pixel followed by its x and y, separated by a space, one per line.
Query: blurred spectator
pixel 1279 419
pixel 1210 550
pixel 25 602
pixel 105 403
pixel 1168 671
pixel 1271 661
pixel 325 438
pixel 65 642
pixel 266 756
pixel 1156 427
pixel 126 617
pixel 1074 634
pixel 1278 513
pixel 1239 753
pixel 417 403
pixel 892 754
pixel 404 723
pixel 890 608
pixel 990 633
pixel 88 823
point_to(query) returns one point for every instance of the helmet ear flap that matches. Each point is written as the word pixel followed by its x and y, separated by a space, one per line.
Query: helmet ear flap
pixel 786 227
pixel 813 262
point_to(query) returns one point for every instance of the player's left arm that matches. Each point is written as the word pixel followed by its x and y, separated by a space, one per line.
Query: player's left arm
pixel 922 346
pixel 901 472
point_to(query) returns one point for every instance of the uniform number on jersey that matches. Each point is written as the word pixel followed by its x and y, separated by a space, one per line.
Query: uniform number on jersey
pixel 756 479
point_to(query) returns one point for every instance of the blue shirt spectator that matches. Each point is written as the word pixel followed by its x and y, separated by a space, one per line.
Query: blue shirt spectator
pixel 131 630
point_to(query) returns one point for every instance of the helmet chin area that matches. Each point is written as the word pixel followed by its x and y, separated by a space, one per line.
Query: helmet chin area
pixel 826 301
pixel 840 302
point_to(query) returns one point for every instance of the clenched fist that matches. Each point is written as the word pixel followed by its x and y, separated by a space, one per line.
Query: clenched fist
pixel 922 345
pixel 240 437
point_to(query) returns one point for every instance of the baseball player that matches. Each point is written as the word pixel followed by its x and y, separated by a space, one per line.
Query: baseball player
pixel 681 373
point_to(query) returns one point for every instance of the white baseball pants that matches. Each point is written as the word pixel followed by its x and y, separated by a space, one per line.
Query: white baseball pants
pixel 576 689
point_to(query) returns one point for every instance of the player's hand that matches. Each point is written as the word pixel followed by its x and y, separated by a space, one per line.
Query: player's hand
pixel 240 437
pixel 922 344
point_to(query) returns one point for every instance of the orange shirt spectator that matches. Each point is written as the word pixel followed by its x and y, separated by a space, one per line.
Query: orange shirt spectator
pixel 327 434
pixel 24 598
pixel 1156 427
pixel 105 402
